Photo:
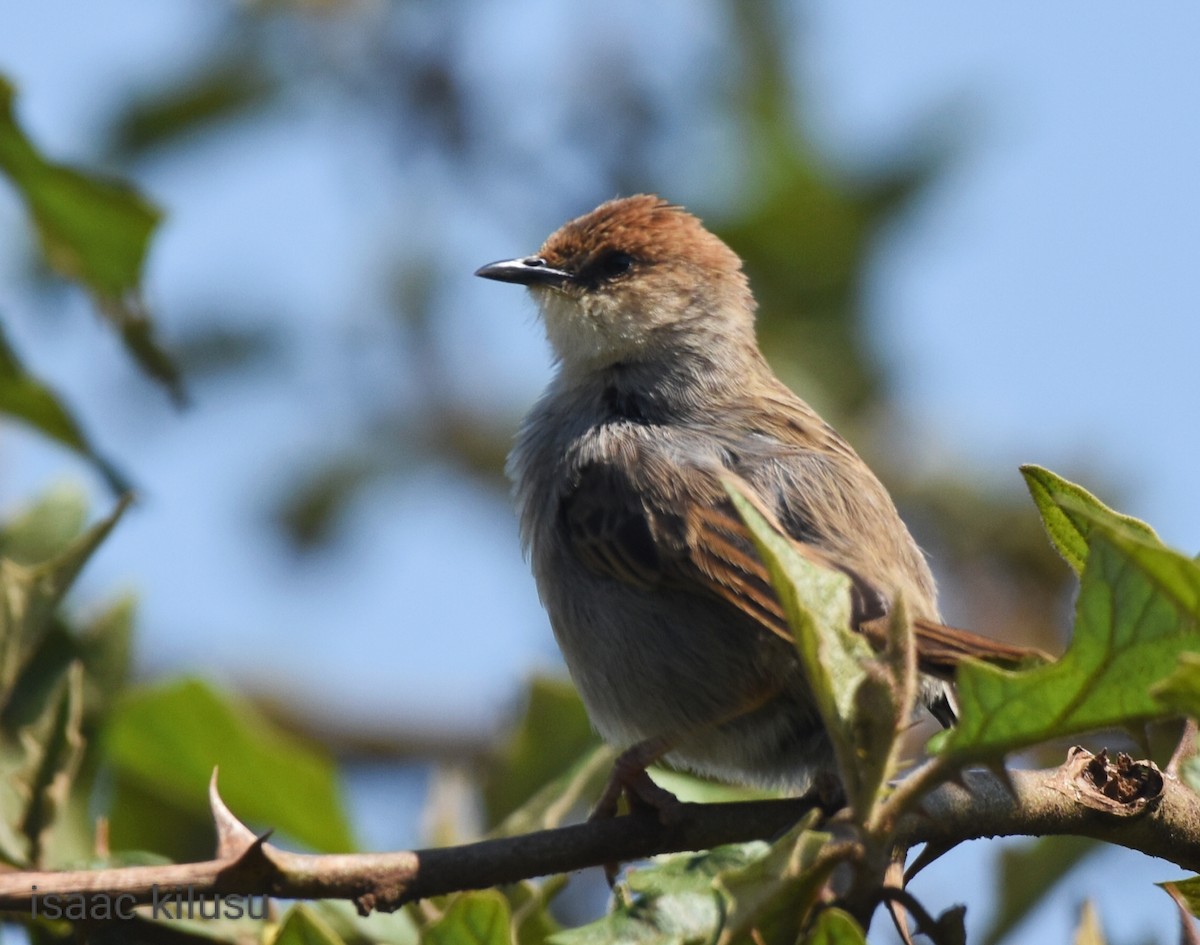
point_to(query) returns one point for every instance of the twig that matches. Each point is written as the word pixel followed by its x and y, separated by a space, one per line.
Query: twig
pixel 248 866
pixel 909 903
pixel 1056 801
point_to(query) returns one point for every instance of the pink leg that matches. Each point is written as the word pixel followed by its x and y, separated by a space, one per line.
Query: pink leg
pixel 629 777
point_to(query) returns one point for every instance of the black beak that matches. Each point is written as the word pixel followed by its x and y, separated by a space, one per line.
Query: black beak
pixel 531 270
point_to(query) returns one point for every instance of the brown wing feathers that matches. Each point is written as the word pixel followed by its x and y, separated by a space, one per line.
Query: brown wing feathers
pixel 720 549
pixel 614 534
pixel 608 528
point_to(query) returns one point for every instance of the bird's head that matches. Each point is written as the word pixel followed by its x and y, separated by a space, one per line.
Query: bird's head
pixel 634 279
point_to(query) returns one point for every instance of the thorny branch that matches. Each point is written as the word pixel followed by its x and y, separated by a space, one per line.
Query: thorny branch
pixel 1126 803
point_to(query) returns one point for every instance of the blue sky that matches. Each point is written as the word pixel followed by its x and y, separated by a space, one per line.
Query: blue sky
pixel 1038 304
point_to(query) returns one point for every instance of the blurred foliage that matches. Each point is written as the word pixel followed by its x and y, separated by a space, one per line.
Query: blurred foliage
pixel 553 728
pixel 230 85
pixel 80 749
pixel 474 918
pixel 1028 874
pixel 200 729
pixel 216 347
pixel 23 397
pixel 303 926
pixel 805 229
pixel 93 231
pixel 804 232
pixel 47 669
pixel 76 743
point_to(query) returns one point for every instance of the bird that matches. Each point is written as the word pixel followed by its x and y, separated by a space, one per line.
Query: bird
pixel 665 614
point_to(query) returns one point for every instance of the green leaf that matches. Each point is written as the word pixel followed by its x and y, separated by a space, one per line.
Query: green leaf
pixel 94 232
pixel 105 646
pixel 771 897
pixel 693 872
pixel 674 899
pixel 59 762
pixel 1181 689
pixel 554 733
pixel 533 923
pixel 835 927
pixel 1138 609
pixel 167 740
pixel 883 710
pixel 52 680
pixel 378 928
pixel 45 527
pixel 102 648
pixel 473 918
pixel 30 594
pixel 806 279
pixel 580 784
pixel 692 788
pixel 1068 512
pixel 39 756
pixel 25 398
pixel 1028 874
pixel 1187 891
pixel 852 691
pixel 217 92
pixel 141 818
pixel 302 926
pixel 629 926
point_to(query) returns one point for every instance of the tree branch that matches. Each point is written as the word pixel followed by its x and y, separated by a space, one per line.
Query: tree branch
pixel 1087 796
pixel 1162 820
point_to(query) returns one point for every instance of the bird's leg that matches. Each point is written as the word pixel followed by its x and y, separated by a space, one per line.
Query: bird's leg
pixel 629 777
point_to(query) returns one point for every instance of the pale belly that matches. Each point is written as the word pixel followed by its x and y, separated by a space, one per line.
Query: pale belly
pixel 663 664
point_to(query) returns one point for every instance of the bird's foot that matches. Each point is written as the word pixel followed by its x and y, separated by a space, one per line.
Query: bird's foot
pixel 643 794
pixel 629 778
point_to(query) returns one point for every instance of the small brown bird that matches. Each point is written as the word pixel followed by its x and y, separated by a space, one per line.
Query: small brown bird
pixel 660 604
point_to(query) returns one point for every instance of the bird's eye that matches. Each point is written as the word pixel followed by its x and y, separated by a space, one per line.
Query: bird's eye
pixel 614 264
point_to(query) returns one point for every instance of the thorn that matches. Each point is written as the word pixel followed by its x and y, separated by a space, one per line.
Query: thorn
pixel 929 853
pixel 100 846
pixel 893 877
pixel 234 838
pixel 1187 927
pixel 900 919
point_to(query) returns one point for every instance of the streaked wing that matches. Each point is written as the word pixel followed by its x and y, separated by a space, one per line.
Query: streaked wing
pixel 721 549
pixel 941 648
pixel 720 553
pixel 608 528
pixel 700 543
